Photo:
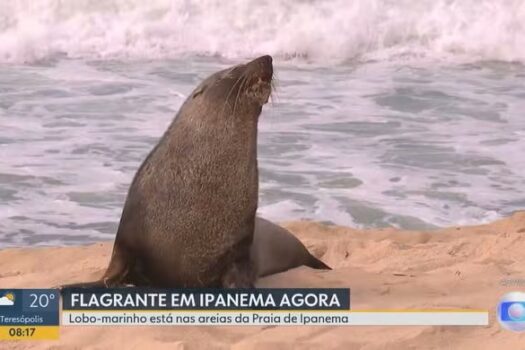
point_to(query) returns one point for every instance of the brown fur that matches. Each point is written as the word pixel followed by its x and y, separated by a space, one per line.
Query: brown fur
pixel 188 220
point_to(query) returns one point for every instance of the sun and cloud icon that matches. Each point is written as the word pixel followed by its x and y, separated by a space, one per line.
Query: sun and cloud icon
pixel 8 299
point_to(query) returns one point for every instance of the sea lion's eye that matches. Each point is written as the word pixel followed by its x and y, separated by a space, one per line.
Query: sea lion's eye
pixel 199 91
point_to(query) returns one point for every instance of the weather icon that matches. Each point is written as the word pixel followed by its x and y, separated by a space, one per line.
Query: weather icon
pixel 8 299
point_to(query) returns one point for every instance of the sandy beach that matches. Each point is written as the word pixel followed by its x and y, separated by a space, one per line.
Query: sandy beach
pixel 458 267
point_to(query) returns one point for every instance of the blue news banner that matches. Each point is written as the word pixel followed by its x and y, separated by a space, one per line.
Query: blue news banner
pixel 146 306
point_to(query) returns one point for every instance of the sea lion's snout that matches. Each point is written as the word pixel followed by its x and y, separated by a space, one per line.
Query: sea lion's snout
pixel 260 72
pixel 263 67
pixel 244 85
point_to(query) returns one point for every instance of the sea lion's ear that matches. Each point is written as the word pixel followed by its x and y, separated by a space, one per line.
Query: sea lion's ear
pixel 199 91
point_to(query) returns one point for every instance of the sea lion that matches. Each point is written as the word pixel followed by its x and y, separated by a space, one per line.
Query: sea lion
pixel 275 250
pixel 189 215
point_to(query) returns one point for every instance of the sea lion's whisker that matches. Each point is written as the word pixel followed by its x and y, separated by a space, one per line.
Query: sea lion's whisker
pixel 239 79
pixel 274 90
pixel 241 87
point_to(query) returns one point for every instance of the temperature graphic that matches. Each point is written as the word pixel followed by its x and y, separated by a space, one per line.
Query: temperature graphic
pixel 29 314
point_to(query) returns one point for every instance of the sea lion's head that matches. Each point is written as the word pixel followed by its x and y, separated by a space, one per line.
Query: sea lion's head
pixel 243 86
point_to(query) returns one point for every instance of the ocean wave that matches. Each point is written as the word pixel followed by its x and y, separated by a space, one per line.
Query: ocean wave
pixel 302 29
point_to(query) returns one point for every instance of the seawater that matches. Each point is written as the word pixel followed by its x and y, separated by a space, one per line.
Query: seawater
pixel 386 113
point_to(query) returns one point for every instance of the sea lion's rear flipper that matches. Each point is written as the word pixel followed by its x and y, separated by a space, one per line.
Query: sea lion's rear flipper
pixel 315 263
pixel 241 273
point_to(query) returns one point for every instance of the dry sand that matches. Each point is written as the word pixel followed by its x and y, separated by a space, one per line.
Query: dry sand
pixel 458 267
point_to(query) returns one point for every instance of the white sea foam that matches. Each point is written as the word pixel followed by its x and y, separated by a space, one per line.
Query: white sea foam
pixel 319 30
pixel 366 144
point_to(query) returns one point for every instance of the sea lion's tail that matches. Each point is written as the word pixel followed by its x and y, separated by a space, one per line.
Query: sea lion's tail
pixel 315 263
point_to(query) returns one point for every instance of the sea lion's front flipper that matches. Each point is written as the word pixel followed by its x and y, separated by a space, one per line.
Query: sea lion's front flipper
pixel 120 266
pixel 116 274
pixel 93 284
